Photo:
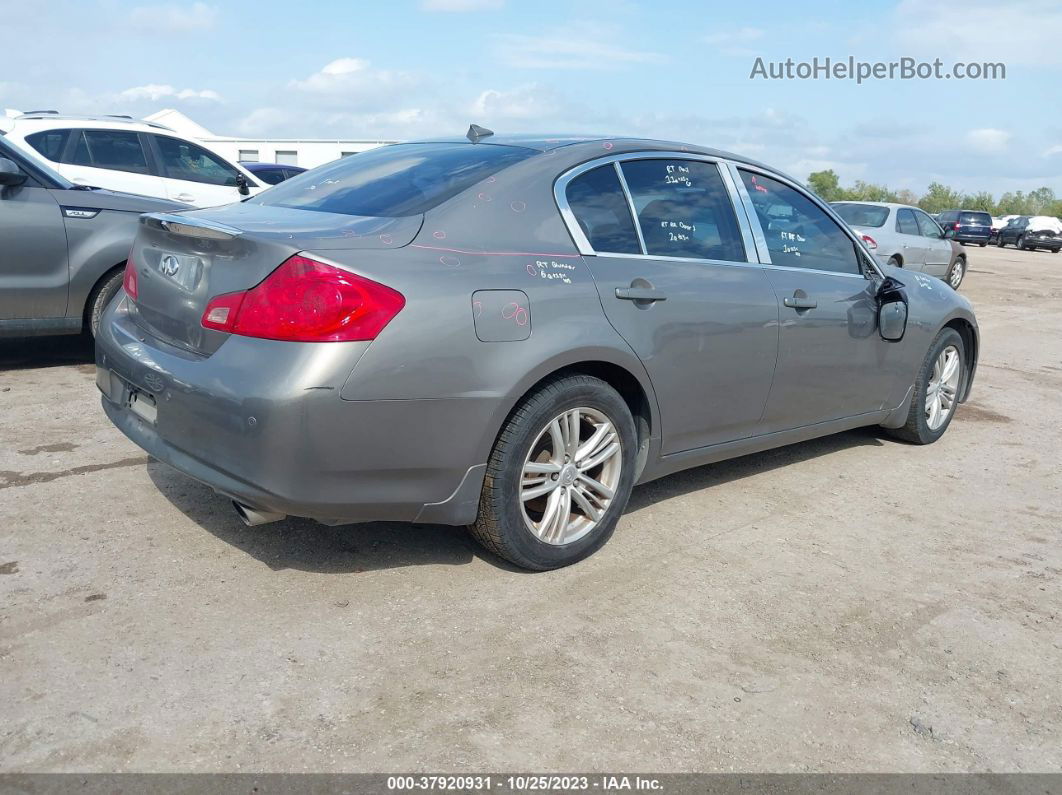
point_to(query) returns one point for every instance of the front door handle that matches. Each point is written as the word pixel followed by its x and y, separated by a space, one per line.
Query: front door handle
pixel 800 302
pixel 640 294
pixel 185 197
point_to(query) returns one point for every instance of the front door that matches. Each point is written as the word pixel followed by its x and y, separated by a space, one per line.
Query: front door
pixel 34 274
pixel 678 287
pixel 193 174
pixel 938 250
pixel 832 363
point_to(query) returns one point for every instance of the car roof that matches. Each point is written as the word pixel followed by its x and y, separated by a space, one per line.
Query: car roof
pixel 893 205
pixel 55 121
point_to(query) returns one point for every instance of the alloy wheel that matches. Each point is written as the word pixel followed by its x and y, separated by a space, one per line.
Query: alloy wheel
pixel 943 388
pixel 570 475
pixel 958 270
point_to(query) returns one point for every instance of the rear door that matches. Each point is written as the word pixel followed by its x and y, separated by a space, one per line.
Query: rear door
pixel 937 250
pixel 34 273
pixel 832 363
pixel 192 174
pixel 912 244
pixel 113 159
pixel 679 288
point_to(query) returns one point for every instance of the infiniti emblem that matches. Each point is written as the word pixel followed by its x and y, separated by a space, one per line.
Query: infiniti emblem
pixel 169 265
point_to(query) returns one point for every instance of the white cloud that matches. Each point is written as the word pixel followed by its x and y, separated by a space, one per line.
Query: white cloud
pixel 574 47
pixel 174 18
pixel 520 103
pixel 153 92
pixel 355 81
pixel 460 5
pixel 988 140
pixel 1014 32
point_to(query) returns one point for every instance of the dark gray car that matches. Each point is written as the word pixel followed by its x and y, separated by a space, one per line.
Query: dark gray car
pixel 62 246
pixel 511 333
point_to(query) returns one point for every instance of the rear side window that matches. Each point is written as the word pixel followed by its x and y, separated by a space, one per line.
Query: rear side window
pixel 684 209
pixel 117 150
pixel 49 143
pixel 799 233
pixel 906 223
pixel 394 181
pixel 597 200
pixel 975 219
pixel 184 160
pixel 862 214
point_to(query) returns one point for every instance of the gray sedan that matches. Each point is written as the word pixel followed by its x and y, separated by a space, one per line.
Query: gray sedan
pixel 906 237
pixel 511 333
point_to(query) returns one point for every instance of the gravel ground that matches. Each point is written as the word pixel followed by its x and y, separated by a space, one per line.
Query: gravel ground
pixel 847 604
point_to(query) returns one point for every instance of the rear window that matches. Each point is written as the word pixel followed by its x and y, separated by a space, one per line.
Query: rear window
pixel 862 214
pixel 977 219
pixel 393 181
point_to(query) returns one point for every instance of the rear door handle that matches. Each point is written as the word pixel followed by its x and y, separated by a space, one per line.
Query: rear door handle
pixel 185 197
pixel 800 303
pixel 640 294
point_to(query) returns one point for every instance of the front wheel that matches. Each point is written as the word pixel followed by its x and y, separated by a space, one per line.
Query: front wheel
pixel 956 273
pixel 1020 243
pixel 894 261
pixel 982 245
pixel 936 390
pixel 559 476
pixel 101 296
pixel 1000 242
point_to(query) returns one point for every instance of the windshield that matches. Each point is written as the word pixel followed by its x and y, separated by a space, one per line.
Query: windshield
pixel 393 181
pixel 32 164
pixel 862 214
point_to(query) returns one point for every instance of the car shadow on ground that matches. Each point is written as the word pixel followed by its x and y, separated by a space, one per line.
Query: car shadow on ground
pixel 305 545
pixel 30 353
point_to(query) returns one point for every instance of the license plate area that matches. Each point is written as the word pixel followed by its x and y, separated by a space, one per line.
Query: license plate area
pixel 143 405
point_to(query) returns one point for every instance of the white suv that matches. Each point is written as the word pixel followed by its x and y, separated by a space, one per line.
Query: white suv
pixel 120 153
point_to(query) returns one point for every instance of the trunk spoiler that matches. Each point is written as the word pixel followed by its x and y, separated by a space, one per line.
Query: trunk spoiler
pixel 190 227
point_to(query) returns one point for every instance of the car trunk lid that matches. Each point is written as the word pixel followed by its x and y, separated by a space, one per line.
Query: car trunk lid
pixel 184 260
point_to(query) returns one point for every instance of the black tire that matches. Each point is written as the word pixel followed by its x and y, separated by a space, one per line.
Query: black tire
pixel 1020 242
pixel 982 245
pixel 1000 243
pixel 916 430
pixel 101 295
pixel 500 526
pixel 894 261
pixel 960 262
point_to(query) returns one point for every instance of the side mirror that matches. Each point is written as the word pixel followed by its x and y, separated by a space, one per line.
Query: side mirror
pixel 949 234
pixel 241 185
pixel 10 174
pixel 892 310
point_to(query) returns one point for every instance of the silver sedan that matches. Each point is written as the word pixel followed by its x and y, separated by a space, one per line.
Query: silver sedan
pixel 906 237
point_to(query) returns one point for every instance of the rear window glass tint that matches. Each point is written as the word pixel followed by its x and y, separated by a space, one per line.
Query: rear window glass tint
pixel 862 214
pixel 116 150
pixel 906 223
pixel 49 143
pixel 601 209
pixel 684 209
pixel 393 181
pixel 978 219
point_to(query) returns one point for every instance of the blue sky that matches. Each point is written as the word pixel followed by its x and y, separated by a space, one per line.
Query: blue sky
pixel 415 68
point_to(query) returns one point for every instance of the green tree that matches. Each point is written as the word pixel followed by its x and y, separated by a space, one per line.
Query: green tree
pixel 826 184
pixel 981 200
pixel 1040 199
pixel 939 198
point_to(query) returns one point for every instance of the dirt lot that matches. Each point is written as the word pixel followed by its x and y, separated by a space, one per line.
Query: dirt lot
pixel 849 604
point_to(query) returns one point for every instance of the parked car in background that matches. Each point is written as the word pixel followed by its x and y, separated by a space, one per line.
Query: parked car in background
pixel 271 173
pixel 1032 232
pixel 997 225
pixel 120 153
pixel 967 226
pixel 906 237
pixel 356 344
pixel 62 246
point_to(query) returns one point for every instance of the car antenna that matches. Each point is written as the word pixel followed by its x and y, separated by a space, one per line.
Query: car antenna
pixel 475 132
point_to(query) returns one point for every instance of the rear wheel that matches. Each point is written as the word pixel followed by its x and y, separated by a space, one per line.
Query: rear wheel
pixel 936 390
pixel 102 293
pixel 894 261
pixel 956 273
pixel 559 476
pixel 1020 243
pixel 982 245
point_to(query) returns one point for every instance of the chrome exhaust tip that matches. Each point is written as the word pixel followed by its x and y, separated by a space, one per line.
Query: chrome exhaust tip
pixel 253 517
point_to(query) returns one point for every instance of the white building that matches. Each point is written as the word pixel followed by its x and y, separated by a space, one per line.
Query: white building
pixel 305 152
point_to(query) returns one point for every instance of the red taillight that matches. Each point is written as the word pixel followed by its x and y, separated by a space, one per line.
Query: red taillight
pixel 956 227
pixel 129 279
pixel 871 242
pixel 306 301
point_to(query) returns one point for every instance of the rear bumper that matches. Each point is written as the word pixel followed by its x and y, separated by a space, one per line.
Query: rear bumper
pixel 263 423
pixel 1051 243
pixel 971 237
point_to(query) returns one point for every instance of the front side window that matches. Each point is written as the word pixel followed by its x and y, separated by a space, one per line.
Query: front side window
pixel 906 223
pixel 185 160
pixel 927 226
pixel 597 200
pixel 684 209
pixel 394 181
pixel 799 233
pixel 49 143
pixel 862 214
pixel 117 150
pixel 271 176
